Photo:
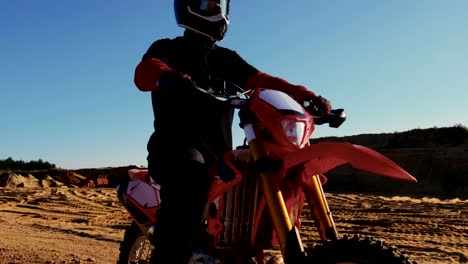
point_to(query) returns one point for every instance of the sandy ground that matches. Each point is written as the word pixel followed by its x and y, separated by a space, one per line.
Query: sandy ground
pixel 73 225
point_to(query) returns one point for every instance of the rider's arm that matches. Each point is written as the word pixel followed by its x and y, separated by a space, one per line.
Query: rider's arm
pixel 152 66
pixel 148 72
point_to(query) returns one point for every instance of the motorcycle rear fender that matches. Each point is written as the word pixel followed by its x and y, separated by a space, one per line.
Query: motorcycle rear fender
pixel 322 157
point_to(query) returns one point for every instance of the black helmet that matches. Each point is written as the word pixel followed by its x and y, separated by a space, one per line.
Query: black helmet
pixel 207 17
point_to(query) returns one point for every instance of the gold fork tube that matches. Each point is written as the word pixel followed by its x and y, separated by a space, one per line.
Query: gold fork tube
pixel 274 198
pixel 320 211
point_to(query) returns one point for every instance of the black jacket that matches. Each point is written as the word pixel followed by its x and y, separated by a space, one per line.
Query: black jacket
pixel 185 118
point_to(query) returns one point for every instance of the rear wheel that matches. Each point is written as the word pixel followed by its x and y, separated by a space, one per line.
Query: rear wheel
pixel 136 247
pixel 356 250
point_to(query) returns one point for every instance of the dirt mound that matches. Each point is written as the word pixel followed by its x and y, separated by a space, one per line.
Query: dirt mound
pixel 15 180
pixel 50 182
pixel 115 175
pixel 11 180
pixel 69 177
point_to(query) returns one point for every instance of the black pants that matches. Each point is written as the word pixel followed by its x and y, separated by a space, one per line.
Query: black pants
pixel 184 178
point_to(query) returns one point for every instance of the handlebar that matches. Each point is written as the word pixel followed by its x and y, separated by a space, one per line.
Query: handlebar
pixel 335 118
pixel 231 91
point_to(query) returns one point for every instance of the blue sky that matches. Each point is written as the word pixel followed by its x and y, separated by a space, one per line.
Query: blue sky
pixel 66 74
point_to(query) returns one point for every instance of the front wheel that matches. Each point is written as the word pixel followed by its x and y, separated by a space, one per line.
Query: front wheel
pixel 356 250
pixel 136 247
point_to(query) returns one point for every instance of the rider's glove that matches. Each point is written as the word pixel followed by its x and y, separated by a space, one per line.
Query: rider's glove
pixel 174 80
pixel 318 105
pixel 323 105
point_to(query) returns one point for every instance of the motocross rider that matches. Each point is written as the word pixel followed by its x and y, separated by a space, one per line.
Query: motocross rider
pixel 190 131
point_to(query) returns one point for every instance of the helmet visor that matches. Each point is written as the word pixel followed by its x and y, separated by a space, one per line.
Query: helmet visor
pixel 212 10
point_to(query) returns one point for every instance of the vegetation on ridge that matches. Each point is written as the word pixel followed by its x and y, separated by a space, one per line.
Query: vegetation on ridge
pixel 19 165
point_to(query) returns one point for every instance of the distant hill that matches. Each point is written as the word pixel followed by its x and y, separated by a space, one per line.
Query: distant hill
pixel 415 138
pixel 437 157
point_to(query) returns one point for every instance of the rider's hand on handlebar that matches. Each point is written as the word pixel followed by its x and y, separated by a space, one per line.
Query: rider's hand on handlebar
pixel 319 105
pixel 171 80
pixel 323 105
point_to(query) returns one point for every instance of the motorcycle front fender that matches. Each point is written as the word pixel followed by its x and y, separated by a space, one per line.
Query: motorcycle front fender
pixel 322 157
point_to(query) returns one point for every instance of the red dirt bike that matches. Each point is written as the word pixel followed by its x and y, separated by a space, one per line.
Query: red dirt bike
pixel 259 191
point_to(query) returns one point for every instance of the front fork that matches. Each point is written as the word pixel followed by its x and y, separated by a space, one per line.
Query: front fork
pixel 288 235
pixel 320 211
